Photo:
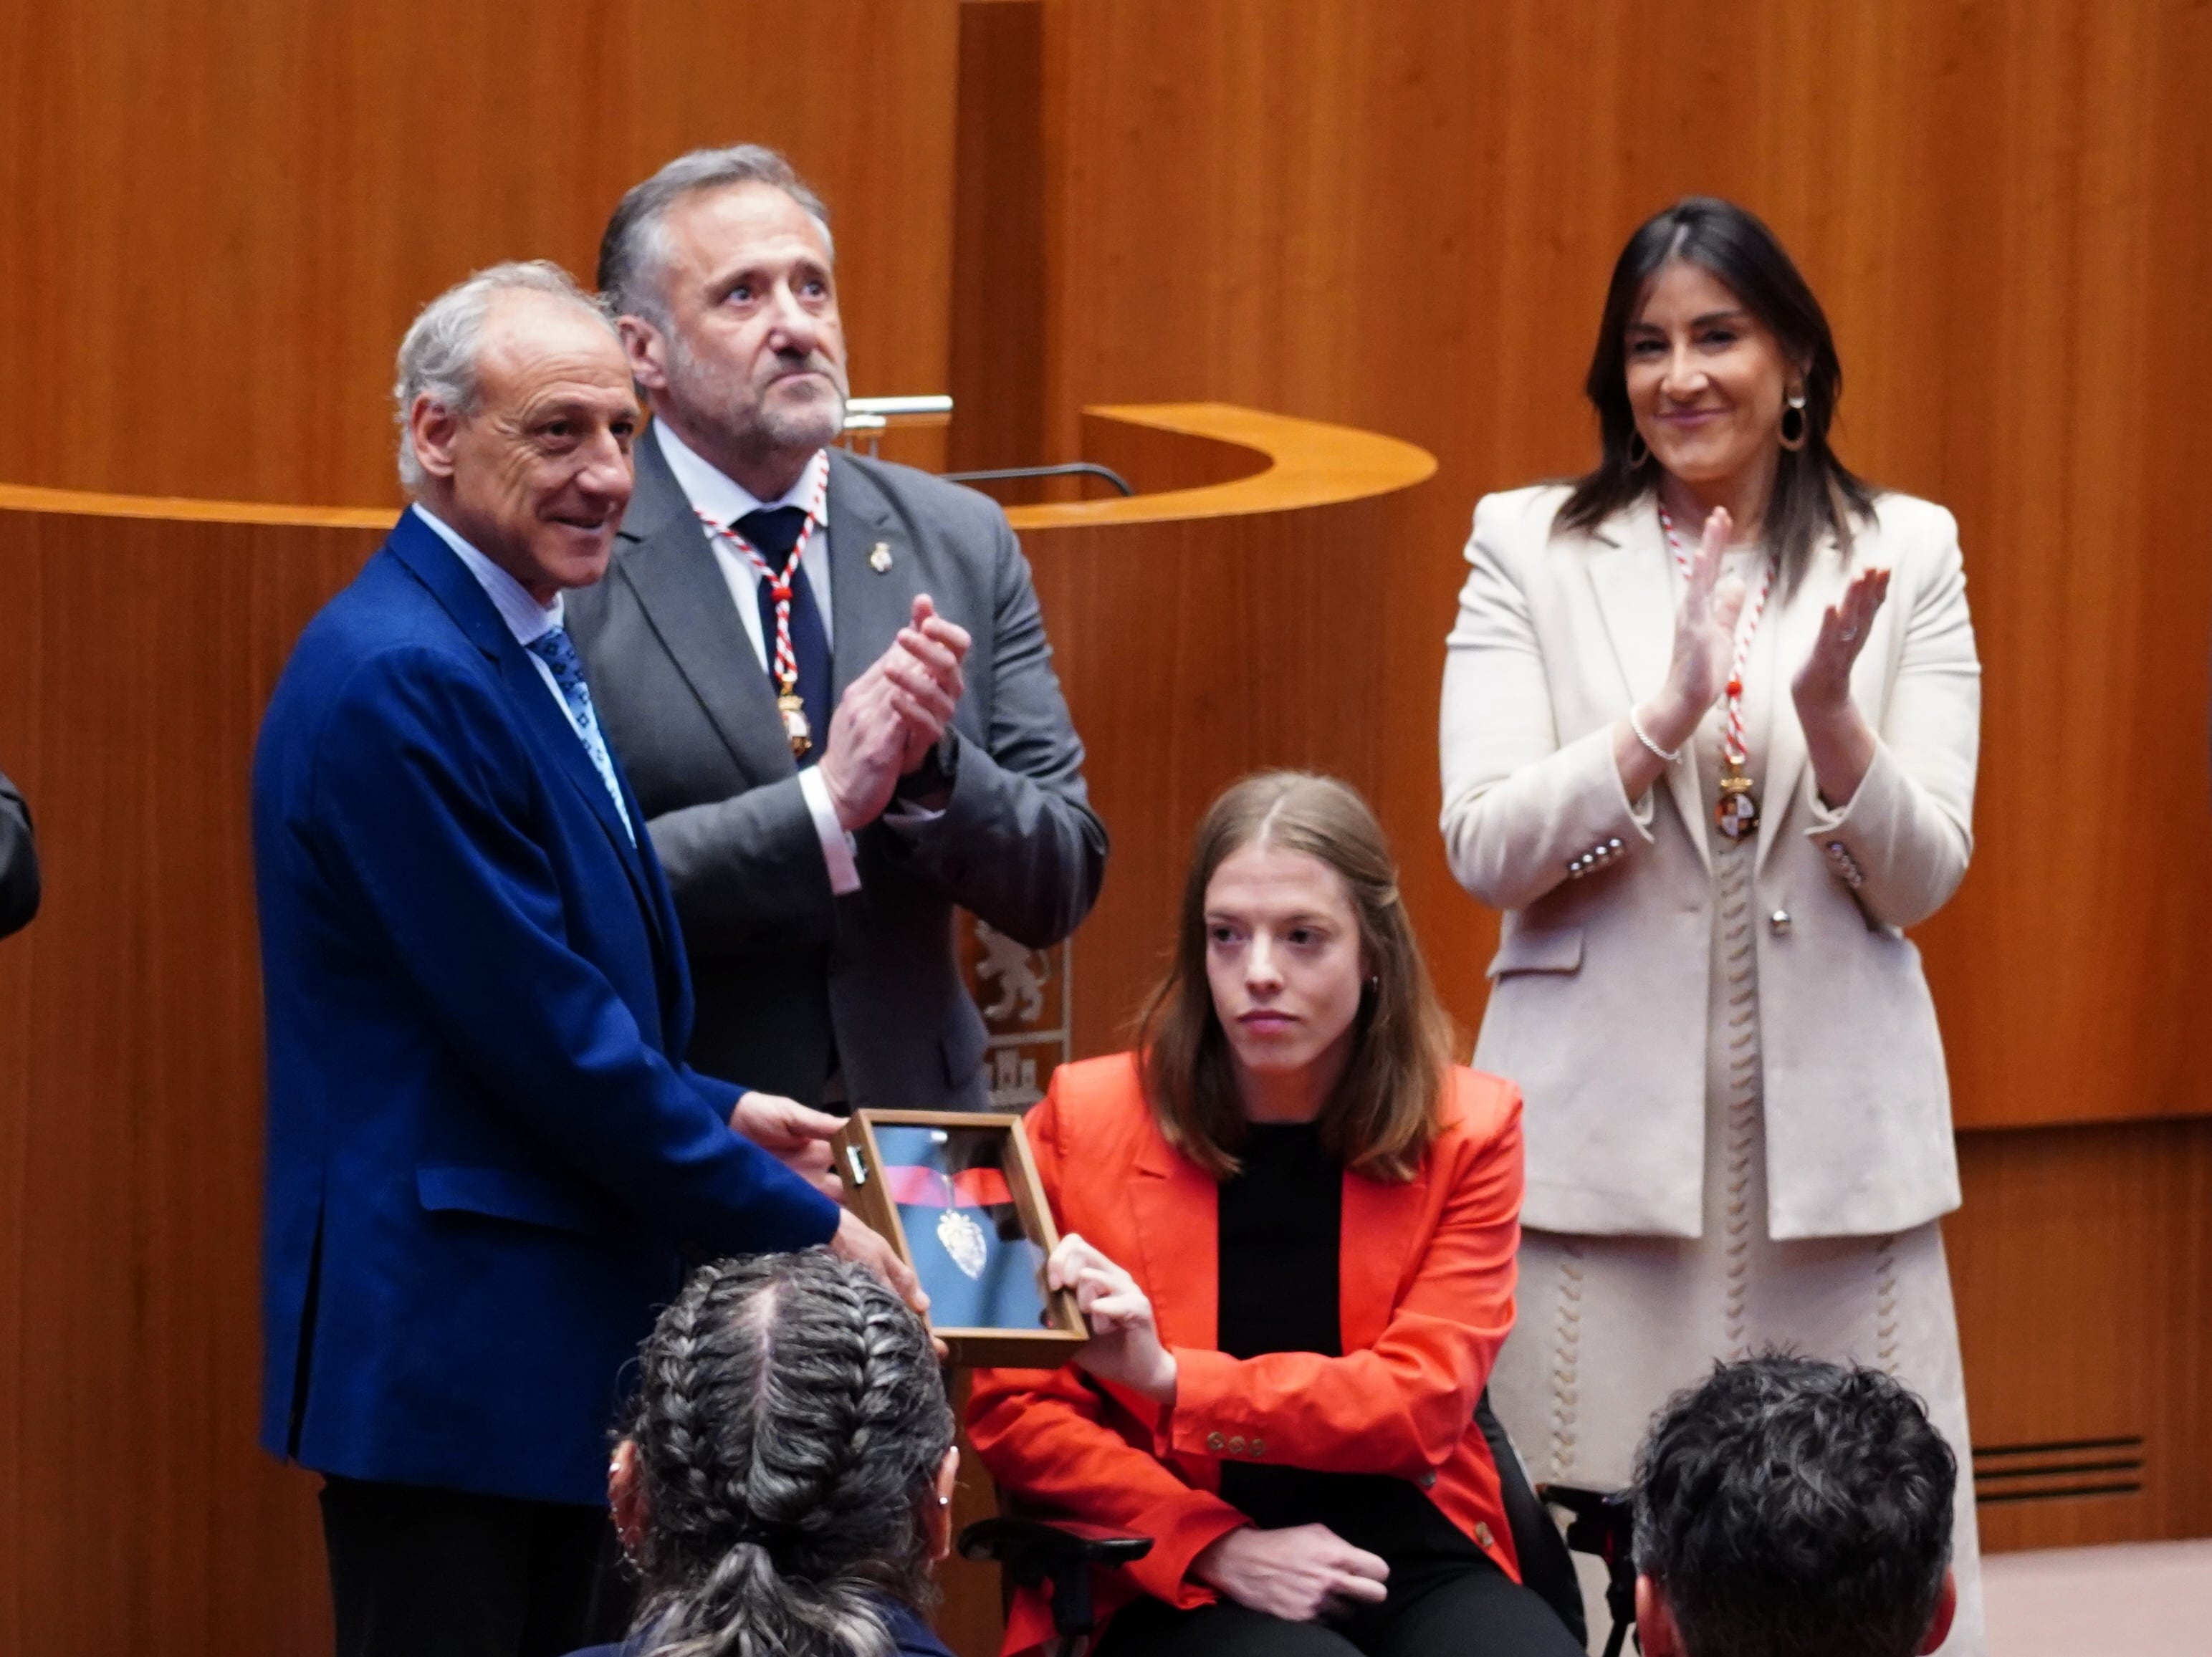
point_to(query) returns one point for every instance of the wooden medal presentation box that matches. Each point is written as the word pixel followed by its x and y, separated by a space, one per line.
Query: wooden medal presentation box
pixel 958 1195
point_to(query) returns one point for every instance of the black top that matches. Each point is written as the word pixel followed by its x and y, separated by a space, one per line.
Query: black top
pixel 1281 1232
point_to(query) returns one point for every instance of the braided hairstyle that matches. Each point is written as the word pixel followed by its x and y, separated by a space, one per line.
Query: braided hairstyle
pixel 789 1422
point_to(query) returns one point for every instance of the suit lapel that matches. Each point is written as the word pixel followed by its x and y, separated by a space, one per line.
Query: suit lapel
pixel 1177 1211
pixel 436 566
pixel 679 583
pixel 1634 583
pixel 1381 1226
pixel 867 605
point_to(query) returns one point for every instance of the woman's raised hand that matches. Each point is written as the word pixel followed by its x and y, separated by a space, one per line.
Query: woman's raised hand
pixel 1824 682
pixel 1298 1573
pixel 1125 1342
pixel 1839 741
pixel 1704 639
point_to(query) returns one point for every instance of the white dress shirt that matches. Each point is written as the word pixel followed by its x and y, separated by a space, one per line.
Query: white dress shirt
pixel 528 621
pixel 716 495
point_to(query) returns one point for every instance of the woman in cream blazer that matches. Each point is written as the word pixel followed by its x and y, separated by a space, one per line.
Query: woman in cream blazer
pixel 1738 1122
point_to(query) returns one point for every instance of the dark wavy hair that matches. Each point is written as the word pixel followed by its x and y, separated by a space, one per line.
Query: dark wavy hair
pixel 1814 492
pixel 1389 1106
pixel 1788 1505
pixel 789 1421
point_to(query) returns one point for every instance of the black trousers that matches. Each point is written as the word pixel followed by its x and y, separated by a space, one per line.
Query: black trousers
pixel 416 1572
pixel 1451 1608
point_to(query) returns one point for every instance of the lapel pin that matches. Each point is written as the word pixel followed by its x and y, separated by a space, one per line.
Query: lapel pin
pixel 880 559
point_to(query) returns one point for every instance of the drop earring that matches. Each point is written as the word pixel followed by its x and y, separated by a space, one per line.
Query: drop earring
pixel 1794 413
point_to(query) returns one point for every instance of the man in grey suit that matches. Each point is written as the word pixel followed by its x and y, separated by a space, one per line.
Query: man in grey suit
pixel 827 676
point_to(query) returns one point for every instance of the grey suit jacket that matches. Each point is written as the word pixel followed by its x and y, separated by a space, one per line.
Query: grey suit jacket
pixel 19 862
pixel 787 975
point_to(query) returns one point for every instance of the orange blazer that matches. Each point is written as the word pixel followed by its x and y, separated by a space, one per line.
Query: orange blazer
pixel 1425 1298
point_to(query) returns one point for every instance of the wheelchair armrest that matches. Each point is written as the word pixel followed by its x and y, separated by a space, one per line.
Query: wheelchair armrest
pixel 1019 1543
pixel 1061 1551
pixel 1603 1522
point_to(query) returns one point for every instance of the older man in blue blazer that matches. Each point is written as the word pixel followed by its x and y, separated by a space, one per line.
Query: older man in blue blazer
pixel 486 1155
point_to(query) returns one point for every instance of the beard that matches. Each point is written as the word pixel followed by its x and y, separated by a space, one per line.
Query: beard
pixel 757 420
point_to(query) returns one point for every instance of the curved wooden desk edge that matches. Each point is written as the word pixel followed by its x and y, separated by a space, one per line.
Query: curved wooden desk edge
pixel 20 497
pixel 1306 462
pixel 1310 464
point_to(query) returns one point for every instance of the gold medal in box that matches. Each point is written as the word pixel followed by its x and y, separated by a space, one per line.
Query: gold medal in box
pixel 956 1192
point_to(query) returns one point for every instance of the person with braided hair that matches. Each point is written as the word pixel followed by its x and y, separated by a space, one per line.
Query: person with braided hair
pixel 785 1481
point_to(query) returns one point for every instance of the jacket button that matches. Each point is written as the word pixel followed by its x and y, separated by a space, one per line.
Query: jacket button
pixel 1259 1446
pixel 1429 1479
pixel 1214 1441
pixel 1237 1445
pixel 1779 920
pixel 1482 1535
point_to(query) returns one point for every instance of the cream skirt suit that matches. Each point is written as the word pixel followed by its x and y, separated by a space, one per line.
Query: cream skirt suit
pixel 1738 1121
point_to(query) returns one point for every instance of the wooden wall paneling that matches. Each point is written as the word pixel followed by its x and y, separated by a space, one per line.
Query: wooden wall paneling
pixel 216 220
pixel 2083 1261
pixel 998 287
pixel 1187 639
pixel 1400 214
pixel 141 1518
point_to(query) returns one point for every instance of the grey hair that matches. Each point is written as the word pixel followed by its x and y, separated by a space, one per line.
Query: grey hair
pixel 790 1420
pixel 635 247
pixel 438 357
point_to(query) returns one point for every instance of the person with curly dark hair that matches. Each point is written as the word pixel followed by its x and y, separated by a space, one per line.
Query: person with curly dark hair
pixel 785 1481
pixel 1789 1508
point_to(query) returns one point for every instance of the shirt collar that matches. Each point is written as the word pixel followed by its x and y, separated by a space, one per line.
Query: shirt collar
pixel 525 618
pixel 717 495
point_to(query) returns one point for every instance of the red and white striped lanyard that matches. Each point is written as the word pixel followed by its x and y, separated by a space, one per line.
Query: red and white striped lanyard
pixel 779 582
pixel 1747 630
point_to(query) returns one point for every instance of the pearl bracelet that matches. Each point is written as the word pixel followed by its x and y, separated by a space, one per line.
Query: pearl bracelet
pixel 1636 726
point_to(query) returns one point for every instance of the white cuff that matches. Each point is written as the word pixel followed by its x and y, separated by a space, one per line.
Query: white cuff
pixel 837 843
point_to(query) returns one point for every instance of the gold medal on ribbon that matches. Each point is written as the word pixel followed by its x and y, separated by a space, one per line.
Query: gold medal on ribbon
pixel 1735 811
pixel 794 723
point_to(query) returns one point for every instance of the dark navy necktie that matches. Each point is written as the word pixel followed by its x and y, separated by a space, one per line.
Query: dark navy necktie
pixel 773 531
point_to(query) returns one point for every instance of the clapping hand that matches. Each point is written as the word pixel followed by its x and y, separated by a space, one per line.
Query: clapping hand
pixel 892 715
pixel 924 667
pixel 1300 1574
pixel 1705 633
pixel 1125 1342
pixel 1823 684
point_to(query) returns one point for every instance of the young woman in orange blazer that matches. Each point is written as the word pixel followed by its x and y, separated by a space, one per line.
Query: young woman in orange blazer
pixel 1291 1223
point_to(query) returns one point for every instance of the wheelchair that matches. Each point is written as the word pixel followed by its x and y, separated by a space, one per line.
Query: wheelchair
pixel 1033 1551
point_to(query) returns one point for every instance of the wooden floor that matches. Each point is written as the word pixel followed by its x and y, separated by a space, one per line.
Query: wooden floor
pixel 2145 1599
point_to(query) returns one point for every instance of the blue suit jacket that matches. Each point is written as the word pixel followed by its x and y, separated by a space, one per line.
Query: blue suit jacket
pixel 484 1150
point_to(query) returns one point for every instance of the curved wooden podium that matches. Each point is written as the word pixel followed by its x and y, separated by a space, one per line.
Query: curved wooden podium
pixel 1200 631
pixel 1207 630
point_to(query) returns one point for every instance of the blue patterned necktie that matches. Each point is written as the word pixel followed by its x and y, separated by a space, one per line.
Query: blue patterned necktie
pixel 558 652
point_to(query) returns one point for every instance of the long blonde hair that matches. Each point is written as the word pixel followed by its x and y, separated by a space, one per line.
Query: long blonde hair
pixel 1389 1107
